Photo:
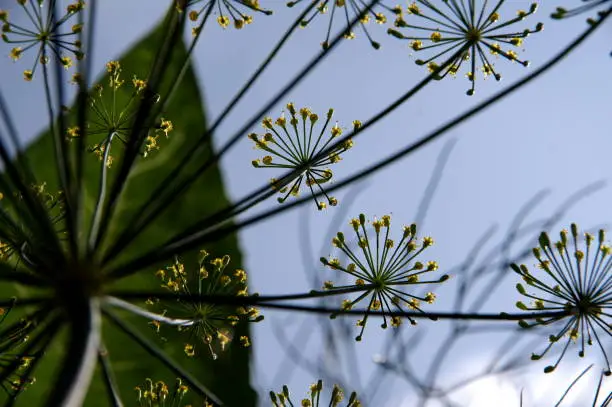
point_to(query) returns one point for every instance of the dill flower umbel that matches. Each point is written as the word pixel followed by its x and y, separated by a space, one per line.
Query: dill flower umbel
pixel 45 32
pixel 205 323
pixel 296 146
pixel 575 280
pixel 228 11
pixel 383 268
pixel 283 398
pixel 454 26
pixel 350 9
pixel 112 115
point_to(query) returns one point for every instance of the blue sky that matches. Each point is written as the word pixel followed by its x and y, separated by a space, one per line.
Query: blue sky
pixel 554 135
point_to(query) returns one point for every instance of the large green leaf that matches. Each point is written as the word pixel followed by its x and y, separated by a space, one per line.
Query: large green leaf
pixel 228 376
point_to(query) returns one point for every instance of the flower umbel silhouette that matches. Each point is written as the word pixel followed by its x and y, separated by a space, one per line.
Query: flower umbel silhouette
pixel 574 280
pixel 453 27
pixel 384 269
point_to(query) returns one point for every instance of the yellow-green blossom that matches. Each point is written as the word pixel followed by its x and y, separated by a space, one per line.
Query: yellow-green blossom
pixel 293 144
pixel 204 323
pixel 158 394
pixel 227 11
pixel 43 33
pixel 112 115
pixel 350 9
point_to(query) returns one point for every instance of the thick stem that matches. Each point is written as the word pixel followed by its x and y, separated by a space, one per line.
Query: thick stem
pixel 79 362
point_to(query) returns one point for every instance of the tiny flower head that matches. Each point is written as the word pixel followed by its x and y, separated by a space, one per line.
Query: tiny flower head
pixel 382 269
pixel 205 324
pixel 293 143
pixel 350 9
pixel 336 398
pixel 228 12
pixel 45 33
pixel 113 106
pixel 159 394
pixel 574 278
pixel 460 32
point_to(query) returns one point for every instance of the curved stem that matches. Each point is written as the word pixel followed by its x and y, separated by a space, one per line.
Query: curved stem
pixel 97 216
pixel 135 309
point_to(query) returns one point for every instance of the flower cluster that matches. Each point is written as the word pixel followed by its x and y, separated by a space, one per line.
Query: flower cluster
pixel 351 9
pixel 283 398
pixel 45 33
pixel 575 282
pixel 111 119
pixel 457 32
pixel 228 10
pixel 16 367
pixel 204 323
pixel 157 394
pixel 296 146
pixel 382 269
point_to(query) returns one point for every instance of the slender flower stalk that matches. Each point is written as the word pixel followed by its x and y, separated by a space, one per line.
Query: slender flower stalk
pixel 44 32
pixel 457 24
pixel 384 269
pixel 295 145
pixel 587 6
pixel 575 280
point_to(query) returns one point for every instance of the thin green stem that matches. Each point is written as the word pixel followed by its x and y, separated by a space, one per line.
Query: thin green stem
pixel 268 302
pixel 168 190
pixel 109 377
pixel 198 238
pixel 97 216
pixel 143 118
pixel 84 68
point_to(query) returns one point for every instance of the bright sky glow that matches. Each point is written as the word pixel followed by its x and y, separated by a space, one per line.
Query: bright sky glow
pixel 554 134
